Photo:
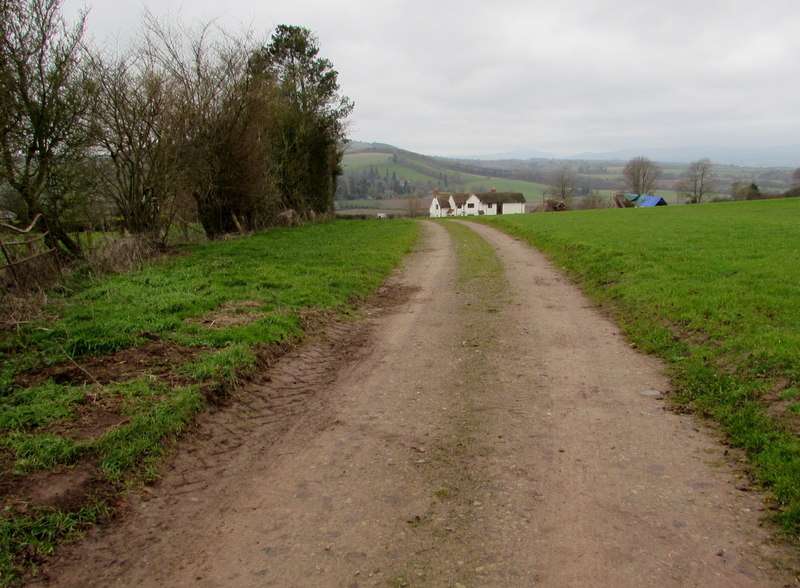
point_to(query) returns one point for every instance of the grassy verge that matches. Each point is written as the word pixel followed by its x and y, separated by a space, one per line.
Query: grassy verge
pixel 126 362
pixel 714 290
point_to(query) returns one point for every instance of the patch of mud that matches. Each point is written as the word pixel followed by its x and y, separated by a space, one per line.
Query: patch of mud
pixel 394 292
pixel 93 418
pixel 64 489
pixel 783 408
pixel 156 357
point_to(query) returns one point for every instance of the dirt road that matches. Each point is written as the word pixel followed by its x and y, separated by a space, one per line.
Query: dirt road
pixel 494 431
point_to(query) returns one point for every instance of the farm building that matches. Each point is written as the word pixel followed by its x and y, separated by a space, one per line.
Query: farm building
pixel 638 200
pixel 489 203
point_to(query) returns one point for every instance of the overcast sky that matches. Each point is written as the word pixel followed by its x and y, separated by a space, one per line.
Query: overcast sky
pixel 446 77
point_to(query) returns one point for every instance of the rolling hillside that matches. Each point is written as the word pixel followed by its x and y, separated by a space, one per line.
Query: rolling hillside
pixel 378 172
pixel 381 178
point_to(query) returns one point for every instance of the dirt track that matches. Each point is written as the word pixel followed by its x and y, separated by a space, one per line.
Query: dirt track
pixel 456 435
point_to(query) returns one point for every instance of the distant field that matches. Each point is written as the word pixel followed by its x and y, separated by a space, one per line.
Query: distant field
pixel 715 290
pixel 359 161
pixel 432 173
pixel 395 206
pixel 381 162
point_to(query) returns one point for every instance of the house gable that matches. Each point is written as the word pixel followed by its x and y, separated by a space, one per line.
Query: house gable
pixel 440 206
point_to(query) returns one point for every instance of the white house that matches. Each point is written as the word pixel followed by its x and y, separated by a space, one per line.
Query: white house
pixel 440 205
pixel 490 203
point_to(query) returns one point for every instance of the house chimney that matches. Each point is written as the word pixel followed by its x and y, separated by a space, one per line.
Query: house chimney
pixel 494 190
pixel 436 192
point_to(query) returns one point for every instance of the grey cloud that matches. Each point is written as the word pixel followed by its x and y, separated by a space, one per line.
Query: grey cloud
pixel 448 77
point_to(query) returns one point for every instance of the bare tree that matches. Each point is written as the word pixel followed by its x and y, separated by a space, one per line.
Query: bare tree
pixel 698 182
pixel 136 130
pixel 414 206
pixel 563 184
pixel 221 121
pixel 641 175
pixel 45 99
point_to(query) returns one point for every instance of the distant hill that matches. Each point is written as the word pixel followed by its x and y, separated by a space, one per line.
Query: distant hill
pixel 782 156
pixel 378 171
pixel 361 147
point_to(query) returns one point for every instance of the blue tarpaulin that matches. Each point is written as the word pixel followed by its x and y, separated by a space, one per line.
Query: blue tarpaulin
pixel 652 201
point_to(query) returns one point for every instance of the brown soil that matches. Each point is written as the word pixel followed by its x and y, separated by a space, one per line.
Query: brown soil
pixel 157 358
pixel 232 314
pixel 453 435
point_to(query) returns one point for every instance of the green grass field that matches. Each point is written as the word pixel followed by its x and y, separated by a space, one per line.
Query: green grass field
pixel 420 170
pixel 216 308
pixel 715 290
pixel 382 162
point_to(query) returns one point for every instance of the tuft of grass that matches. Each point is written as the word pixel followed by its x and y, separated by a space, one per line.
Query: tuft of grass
pixel 444 494
pixel 714 290
pixel 41 451
pixel 225 364
pixel 39 405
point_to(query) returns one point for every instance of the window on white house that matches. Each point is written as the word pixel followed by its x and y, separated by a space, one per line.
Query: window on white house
pixel 471 205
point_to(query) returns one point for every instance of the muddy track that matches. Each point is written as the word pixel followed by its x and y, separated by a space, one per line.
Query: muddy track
pixel 227 444
pixel 480 433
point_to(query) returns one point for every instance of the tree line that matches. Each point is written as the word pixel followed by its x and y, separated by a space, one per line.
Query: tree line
pixel 193 122
pixel 697 184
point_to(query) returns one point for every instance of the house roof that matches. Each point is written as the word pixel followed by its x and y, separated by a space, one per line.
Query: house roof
pixel 502 197
pixel 444 201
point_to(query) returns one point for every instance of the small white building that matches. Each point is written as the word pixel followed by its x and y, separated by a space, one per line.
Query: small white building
pixel 473 204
